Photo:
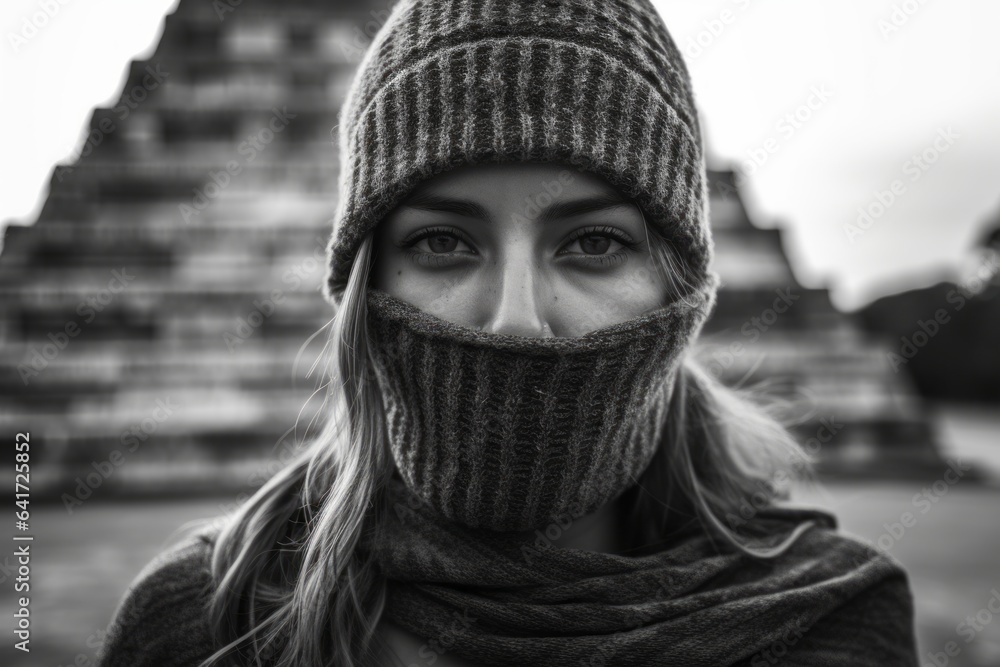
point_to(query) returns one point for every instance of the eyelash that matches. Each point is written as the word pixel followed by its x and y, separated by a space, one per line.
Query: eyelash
pixel 437 258
pixel 611 232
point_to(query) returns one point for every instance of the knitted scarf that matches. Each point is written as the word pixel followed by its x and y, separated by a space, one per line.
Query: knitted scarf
pixel 495 599
pixel 494 434
pixel 512 432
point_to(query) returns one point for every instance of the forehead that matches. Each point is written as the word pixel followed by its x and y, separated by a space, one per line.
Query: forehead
pixel 517 180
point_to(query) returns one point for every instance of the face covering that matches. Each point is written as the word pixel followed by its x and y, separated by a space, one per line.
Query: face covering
pixel 495 434
pixel 511 433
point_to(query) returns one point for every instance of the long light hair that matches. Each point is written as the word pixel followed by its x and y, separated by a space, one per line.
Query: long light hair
pixel 290 587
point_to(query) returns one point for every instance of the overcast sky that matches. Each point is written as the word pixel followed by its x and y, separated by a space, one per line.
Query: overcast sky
pixel 825 104
pixel 895 74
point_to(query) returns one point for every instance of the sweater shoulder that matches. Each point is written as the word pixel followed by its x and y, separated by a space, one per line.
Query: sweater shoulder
pixel 163 617
pixel 872 622
pixel 873 629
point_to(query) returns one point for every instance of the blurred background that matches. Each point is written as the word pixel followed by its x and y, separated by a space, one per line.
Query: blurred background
pixel 167 194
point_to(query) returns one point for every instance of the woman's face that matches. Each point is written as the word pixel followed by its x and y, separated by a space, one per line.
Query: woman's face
pixel 529 249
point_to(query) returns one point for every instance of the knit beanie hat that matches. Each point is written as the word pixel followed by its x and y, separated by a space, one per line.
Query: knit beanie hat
pixel 598 84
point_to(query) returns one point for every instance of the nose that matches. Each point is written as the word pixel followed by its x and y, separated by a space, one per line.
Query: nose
pixel 518 309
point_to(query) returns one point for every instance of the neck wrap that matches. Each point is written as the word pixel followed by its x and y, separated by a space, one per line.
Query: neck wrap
pixel 511 433
pixel 495 598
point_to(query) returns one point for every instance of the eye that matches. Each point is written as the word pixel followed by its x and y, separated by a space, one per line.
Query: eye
pixel 594 244
pixel 436 246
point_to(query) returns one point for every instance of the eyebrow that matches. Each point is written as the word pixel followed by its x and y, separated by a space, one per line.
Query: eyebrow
pixel 563 209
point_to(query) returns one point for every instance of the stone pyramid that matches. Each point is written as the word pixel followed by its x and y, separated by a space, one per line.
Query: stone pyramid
pixel 157 317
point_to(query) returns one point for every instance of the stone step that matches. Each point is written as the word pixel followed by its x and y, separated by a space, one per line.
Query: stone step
pixel 197 187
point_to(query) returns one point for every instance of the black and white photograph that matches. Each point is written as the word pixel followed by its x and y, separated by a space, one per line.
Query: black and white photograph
pixel 702 371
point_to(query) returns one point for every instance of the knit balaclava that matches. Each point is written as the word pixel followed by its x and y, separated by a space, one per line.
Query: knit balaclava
pixel 495 434
pixel 511 432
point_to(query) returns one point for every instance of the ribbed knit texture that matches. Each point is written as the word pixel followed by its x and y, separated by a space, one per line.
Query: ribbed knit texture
pixel 714 609
pixel 598 84
pixel 162 620
pixel 503 600
pixel 506 432
pixel 501 432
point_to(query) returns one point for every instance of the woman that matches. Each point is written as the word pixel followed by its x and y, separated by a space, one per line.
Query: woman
pixel 521 465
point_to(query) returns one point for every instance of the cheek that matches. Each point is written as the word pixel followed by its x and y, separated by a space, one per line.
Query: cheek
pixel 390 270
pixel 605 301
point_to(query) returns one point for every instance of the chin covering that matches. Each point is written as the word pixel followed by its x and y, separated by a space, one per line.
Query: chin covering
pixel 511 433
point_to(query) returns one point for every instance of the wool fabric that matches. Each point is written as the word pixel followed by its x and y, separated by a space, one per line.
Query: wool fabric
pixel 849 603
pixel 597 84
pixel 511 432
pixel 496 598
